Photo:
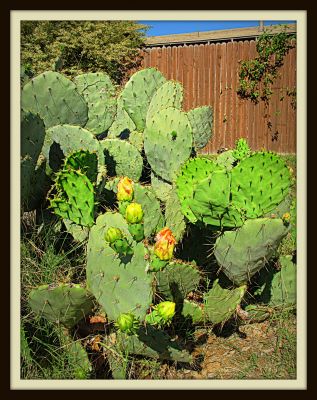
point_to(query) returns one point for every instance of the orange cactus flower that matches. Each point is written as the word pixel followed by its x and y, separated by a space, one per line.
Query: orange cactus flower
pixel 165 243
pixel 125 189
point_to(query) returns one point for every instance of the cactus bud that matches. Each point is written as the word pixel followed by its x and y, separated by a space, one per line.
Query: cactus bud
pixel 134 213
pixel 128 323
pixel 165 243
pixel 286 218
pixel 166 310
pixel 125 189
pixel 113 234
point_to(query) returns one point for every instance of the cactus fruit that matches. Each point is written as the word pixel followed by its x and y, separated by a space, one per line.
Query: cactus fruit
pixel 201 121
pixel 122 158
pixel 120 284
pixel 168 142
pixel 128 323
pixel 134 213
pixel 162 314
pixel 170 94
pixel 259 183
pixel 138 92
pixel 118 242
pixel 177 280
pixel 243 252
pixel 99 94
pixel 56 99
pixel 64 303
pixel 220 303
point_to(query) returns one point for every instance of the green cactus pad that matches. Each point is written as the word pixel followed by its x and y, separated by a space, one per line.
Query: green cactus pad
pixel 283 285
pixel 241 150
pixel 259 183
pixel 56 99
pixel 153 218
pixel 79 233
pixel 85 162
pixel 176 280
pixel 170 94
pixel 64 303
pixel 136 139
pixel 122 124
pixel 63 140
pixel 174 217
pixel 32 135
pixel 34 184
pixel 193 311
pixel 226 160
pixel 189 176
pixel 220 303
pixel 74 199
pixel 100 96
pixel 150 342
pixel 201 122
pixel 243 252
pixel 120 284
pixel 122 159
pixel 168 142
pixel 160 187
pixel 138 92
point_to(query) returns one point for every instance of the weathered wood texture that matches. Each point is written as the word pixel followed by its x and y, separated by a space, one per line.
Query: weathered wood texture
pixel 209 74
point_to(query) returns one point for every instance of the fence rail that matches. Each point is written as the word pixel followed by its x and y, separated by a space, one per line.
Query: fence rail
pixel 209 74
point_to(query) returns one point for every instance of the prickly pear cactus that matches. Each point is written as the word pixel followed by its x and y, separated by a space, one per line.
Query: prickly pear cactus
pixel 56 99
pixel 176 280
pixel 193 311
pixel 170 94
pixel 226 160
pixel 65 304
pixel 122 125
pixel 74 199
pixel 32 135
pixel 120 284
pixel 174 217
pixel 189 176
pixel 243 252
pixel 168 142
pixel 138 92
pixel 220 303
pixel 100 96
pixel 201 122
pixel 160 187
pixel 241 150
pixel 136 139
pixel 259 183
pixel 63 140
pixel 283 285
pixel 122 158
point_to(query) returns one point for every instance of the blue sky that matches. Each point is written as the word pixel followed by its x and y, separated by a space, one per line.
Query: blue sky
pixel 159 28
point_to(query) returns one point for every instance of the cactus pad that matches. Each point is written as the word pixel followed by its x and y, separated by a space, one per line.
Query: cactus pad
pixel 220 304
pixel 201 121
pixel 99 94
pixel 120 284
pixel 160 187
pixel 32 135
pixel 138 92
pixel 243 252
pixel 56 99
pixel 174 217
pixel 259 183
pixel 122 159
pixel 283 285
pixel 122 124
pixel 64 303
pixel 168 142
pixel 176 280
pixel 170 94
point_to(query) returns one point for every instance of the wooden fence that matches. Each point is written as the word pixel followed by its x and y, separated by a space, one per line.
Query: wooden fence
pixel 209 74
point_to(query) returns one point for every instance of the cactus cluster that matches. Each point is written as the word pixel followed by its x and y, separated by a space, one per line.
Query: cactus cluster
pixel 125 183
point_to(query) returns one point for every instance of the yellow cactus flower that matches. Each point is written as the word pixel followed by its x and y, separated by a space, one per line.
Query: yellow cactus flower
pixel 125 189
pixel 134 213
pixel 166 310
pixel 165 243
